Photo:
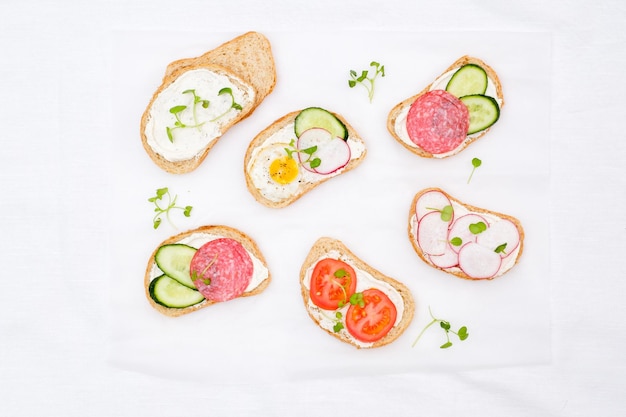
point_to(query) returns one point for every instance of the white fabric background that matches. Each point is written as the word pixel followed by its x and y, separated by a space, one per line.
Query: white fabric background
pixel 54 325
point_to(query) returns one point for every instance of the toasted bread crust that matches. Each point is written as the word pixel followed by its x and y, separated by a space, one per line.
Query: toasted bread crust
pixel 246 60
pixel 323 246
pixel 397 109
pixel 225 231
pixel 278 124
pixel 470 208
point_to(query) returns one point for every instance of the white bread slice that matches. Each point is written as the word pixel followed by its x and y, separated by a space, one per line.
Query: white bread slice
pixel 325 247
pixel 263 139
pixel 459 207
pixel 246 61
pixel 152 270
pixel 398 109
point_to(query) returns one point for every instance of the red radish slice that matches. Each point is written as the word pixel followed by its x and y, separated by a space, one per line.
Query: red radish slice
pixel 432 234
pixel 479 262
pixel 334 155
pixel 430 201
pixel 498 233
pixel 460 229
pixel 447 260
pixel 333 152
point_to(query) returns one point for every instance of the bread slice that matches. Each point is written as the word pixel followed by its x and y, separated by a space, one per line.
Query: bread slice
pixel 266 137
pixel 395 119
pixel 247 62
pixel 506 225
pixel 399 294
pixel 152 270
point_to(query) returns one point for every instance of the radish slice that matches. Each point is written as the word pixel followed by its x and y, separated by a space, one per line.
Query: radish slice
pixel 430 201
pixel 448 259
pixel 479 262
pixel 501 232
pixel 333 152
pixel 432 234
pixel 460 229
pixel 334 156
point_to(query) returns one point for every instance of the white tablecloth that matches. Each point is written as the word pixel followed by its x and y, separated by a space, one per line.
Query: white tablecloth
pixel 65 349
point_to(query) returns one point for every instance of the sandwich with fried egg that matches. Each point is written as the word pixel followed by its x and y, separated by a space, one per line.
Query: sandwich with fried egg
pixel 200 98
pixel 298 152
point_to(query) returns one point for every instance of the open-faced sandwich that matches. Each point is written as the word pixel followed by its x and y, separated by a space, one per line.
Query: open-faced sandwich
pixel 201 267
pixel 351 300
pixel 452 112
pixel 463 240
pixel 297 153
pixel 200 98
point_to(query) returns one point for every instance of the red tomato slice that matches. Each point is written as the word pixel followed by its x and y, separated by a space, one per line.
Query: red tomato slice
pixel 374 320
pixel 332 282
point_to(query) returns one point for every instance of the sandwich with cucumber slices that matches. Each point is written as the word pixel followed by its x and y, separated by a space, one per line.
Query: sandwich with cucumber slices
pixel 198 268
pixel 455 110
pixel 298 152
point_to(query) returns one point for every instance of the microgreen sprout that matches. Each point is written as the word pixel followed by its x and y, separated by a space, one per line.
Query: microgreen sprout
pixel 475 163
pixel 500 248
pixel 364 80
pixel 477 228
pixel 170 204
pixel 313 162
pixel 233 104
pixel 456 241
pixel 207 281
pixel 177 110
pixel 446 212
pixel 462 333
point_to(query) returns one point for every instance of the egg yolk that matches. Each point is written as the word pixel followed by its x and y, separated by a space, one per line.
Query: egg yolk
pixel 284 170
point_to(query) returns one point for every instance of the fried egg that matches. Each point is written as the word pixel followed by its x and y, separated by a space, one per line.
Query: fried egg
pixel 275 173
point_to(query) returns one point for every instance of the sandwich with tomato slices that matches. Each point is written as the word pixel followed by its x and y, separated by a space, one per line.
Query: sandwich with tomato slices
pixel 350 300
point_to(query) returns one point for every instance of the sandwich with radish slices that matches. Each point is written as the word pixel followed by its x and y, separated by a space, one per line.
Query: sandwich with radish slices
pixel 463 240
pixel 297 153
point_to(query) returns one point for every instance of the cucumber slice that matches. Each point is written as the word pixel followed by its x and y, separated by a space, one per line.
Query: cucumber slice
pixel 484 111
pixel 174 261
pixel 468 80
pixel 318 117
pixel 171 293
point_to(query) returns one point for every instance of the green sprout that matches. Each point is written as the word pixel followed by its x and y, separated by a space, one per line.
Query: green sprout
pixel 475 163
pixel 446 212
pixel 313 162
pixel 462 333
pixel 233 104
pixel 364 80
pixel 170 204
pixel 177 110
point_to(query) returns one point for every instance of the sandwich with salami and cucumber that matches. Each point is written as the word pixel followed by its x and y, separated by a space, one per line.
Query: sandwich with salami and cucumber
pixel 204 266
pixel 455 110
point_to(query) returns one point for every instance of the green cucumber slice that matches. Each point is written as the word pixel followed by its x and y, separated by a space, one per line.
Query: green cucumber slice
pixel 470 79
pixel 174 261
pixel 171 293
pixel 318 117
pixel 484 111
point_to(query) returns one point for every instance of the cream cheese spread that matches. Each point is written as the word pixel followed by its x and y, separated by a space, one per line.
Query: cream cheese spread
pixel 205 124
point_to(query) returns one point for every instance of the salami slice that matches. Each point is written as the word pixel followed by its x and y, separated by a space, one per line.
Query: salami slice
pixel 437 122
pixel 221 269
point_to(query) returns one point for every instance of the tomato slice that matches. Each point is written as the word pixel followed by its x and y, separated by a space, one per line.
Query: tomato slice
pixel 374 319
pixel 332 282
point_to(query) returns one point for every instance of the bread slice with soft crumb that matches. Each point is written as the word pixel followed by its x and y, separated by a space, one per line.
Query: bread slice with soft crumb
pixel 245 64
pixel 366 278
pixel 396 119
pixel 271 194
pixel 200 234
